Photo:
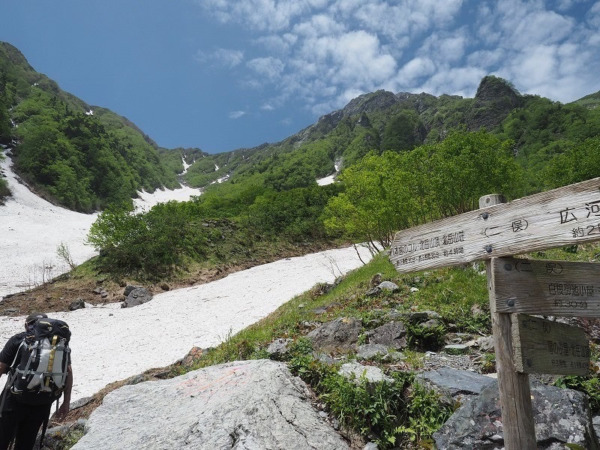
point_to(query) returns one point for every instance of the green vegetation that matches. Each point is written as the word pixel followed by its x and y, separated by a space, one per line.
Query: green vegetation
pixel 81 157
pixel 4 191
pixel 400 413
pixel 405 159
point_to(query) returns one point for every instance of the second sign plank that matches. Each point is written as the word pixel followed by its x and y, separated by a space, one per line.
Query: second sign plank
pixel 551 288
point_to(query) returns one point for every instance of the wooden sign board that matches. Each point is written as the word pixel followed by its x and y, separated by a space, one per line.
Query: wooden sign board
pixel 563 216
pixel 557 288
pixel 542 346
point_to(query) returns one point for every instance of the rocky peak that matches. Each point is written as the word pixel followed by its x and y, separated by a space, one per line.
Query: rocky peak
pixel 493 88
pixel 494 100
pixel 375 101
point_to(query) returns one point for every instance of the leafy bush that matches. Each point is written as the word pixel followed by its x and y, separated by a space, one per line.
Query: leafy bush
pixel 425 413
pixel 4 191
pixel 389 413
pixel 578 163
pixel 151 245
pixel 424 337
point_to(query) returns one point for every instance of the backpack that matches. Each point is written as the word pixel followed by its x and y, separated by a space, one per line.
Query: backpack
pixel 41 364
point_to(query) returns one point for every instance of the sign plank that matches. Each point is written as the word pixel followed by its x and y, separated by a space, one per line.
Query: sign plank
pixel 563 216
pixel 557 288
pixel 542 346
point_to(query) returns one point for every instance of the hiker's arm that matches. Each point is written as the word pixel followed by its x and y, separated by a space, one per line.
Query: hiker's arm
pixel 64 408
pixel 3 368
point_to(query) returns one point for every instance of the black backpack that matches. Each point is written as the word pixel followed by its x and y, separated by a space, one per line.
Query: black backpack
pixel 41 364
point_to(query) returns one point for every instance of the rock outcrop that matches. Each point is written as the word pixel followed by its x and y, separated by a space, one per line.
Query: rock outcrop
pixel 248 405
pixel 561 416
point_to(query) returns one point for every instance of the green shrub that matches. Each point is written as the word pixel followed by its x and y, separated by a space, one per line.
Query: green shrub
pixel 421 337
pixel 426 414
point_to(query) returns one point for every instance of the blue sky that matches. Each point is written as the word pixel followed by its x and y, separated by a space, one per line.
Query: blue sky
pixel 225 74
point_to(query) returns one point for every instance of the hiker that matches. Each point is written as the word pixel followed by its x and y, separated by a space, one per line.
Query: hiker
pixel 23 410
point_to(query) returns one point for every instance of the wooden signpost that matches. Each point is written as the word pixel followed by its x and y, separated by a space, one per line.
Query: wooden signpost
pixel 523 344
pixel 544 346
pixel 564 216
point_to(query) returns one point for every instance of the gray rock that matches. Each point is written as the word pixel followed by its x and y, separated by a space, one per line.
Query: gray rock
pixel 129 288
pixel 561 416
pixel 596 422
pixel 371 446
pixel 279 348
pixel 455 384
pixel 383 286
pixel 55 436
pixel 485 343
pixel 370 351
pixel 80 403
pixel 356 371
pixel 137 297
pixel 77 304
pixel 246 405
pixel 341 334
pixel 389 286
pixel 391 334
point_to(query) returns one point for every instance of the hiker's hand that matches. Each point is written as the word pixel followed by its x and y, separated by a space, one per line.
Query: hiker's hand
pixel 62 412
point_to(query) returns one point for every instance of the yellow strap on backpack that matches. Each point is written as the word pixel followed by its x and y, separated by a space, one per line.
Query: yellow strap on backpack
pixel 51 359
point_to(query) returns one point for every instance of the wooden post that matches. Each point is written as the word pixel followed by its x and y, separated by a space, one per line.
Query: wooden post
pixel 515 393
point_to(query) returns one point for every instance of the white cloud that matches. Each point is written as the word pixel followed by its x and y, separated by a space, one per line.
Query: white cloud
pixel 353 58
pixel 486 58
pixel 454 80
pixel 222 56
pixel 262 15
pixel 593 16
pixel 448 47
pixel 269 68
pixel 318 25
pixel 237 114
pixel 414 69
pixel 325 52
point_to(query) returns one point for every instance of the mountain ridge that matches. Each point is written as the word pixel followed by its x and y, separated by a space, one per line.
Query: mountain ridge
pixel 373 122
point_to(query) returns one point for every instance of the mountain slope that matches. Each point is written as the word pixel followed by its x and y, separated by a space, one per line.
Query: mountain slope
pixel 86 157
pixel 80 156
pixel 383 121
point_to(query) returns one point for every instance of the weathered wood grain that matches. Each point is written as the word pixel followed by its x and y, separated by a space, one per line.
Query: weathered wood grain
pixel 543 346
pixel 557 288
pixel 564 216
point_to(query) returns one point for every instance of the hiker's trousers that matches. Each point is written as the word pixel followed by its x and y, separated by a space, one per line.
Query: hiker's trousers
pixel 21 422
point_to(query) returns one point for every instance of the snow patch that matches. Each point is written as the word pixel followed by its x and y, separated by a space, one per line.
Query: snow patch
pixel 32 229
pixel 327 180
pixel 186 166
pixel 146 200
pixel 128 341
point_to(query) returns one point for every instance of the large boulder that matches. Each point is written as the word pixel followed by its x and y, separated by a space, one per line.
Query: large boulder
pixel 455 385
pixel 137 296
pixel 561 416
pixel 391 334
pixel 341 334
pixel 248 405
